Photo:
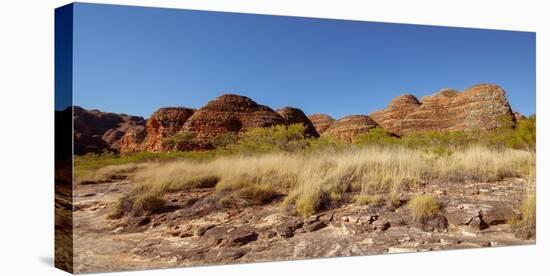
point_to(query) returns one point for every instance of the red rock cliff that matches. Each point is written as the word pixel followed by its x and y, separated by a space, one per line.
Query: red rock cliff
pixel 483 107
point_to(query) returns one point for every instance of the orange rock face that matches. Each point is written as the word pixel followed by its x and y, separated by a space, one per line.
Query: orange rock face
pixel 321 122
pixel 349 127
pixel 133 141
pixel 483 107
pixel 293 115
pixel 165 122
pixel 230 113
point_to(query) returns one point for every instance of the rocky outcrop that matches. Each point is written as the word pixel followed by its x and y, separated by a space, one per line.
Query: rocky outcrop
pixel 164 123
pixel 293 115
pixel 133 141
pixel 349 127
pixel 230 113
pixel 96 131
pixel 397 111
pixel 519 116
pixel 321 122
pixel 481 107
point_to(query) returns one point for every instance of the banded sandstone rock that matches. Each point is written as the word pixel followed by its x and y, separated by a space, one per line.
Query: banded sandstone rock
pixel 321 122
pixel 481 107
pixel 293 115
pixel 164 123
pixel 230 113
pixel 349 127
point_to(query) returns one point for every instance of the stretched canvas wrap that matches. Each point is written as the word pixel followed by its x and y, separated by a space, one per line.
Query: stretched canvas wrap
pixel 187 138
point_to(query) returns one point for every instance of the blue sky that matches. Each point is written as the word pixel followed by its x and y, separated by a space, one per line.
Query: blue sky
pixel 135 60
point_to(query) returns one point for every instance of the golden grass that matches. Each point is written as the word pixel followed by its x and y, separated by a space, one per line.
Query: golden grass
pixel 313 181
pixel 364 199
pixel 423 207
pixel 526 225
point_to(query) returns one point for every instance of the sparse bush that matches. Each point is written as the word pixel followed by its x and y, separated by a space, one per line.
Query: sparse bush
pixel 271 139
pixel 224 140
pixel 326 144
pixel 524 134
pixel 439 140
pixel 423 207
pixel 377 137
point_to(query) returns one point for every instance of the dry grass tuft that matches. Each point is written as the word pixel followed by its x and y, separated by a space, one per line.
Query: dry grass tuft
pixel 363 199
pixel 423 207
pixel 527 224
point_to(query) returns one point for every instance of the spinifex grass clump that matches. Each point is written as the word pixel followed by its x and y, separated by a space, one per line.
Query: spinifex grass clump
pixel 526 224
pixel 423 207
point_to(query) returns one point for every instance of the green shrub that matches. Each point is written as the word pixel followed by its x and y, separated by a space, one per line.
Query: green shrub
pixel 325 143
pixel 524 134
pixel 435 139
pixel 224 140
pixel 271 139
pixel 377 136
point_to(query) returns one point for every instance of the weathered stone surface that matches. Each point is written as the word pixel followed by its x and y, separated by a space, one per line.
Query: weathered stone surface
pixel 240 236
pixel 248 233
pixel 381 225
pixel 483 107
pixel 229 254
pixel 286 228
pixel 132 141
pixel 97 131
pixel 438 222
pixel 317 225
pixel 491 212
pixel 349 127
pixel 293 115
pixel 230 113
pixel 321 122
pixel 477 223
pixel 199 231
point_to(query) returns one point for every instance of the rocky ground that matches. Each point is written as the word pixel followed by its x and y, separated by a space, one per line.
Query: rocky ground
pixel 197 230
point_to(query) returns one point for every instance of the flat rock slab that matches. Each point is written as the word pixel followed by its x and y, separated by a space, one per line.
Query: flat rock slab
pixel 200 233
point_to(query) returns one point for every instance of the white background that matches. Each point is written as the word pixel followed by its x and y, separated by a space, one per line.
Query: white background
pixel 26 134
